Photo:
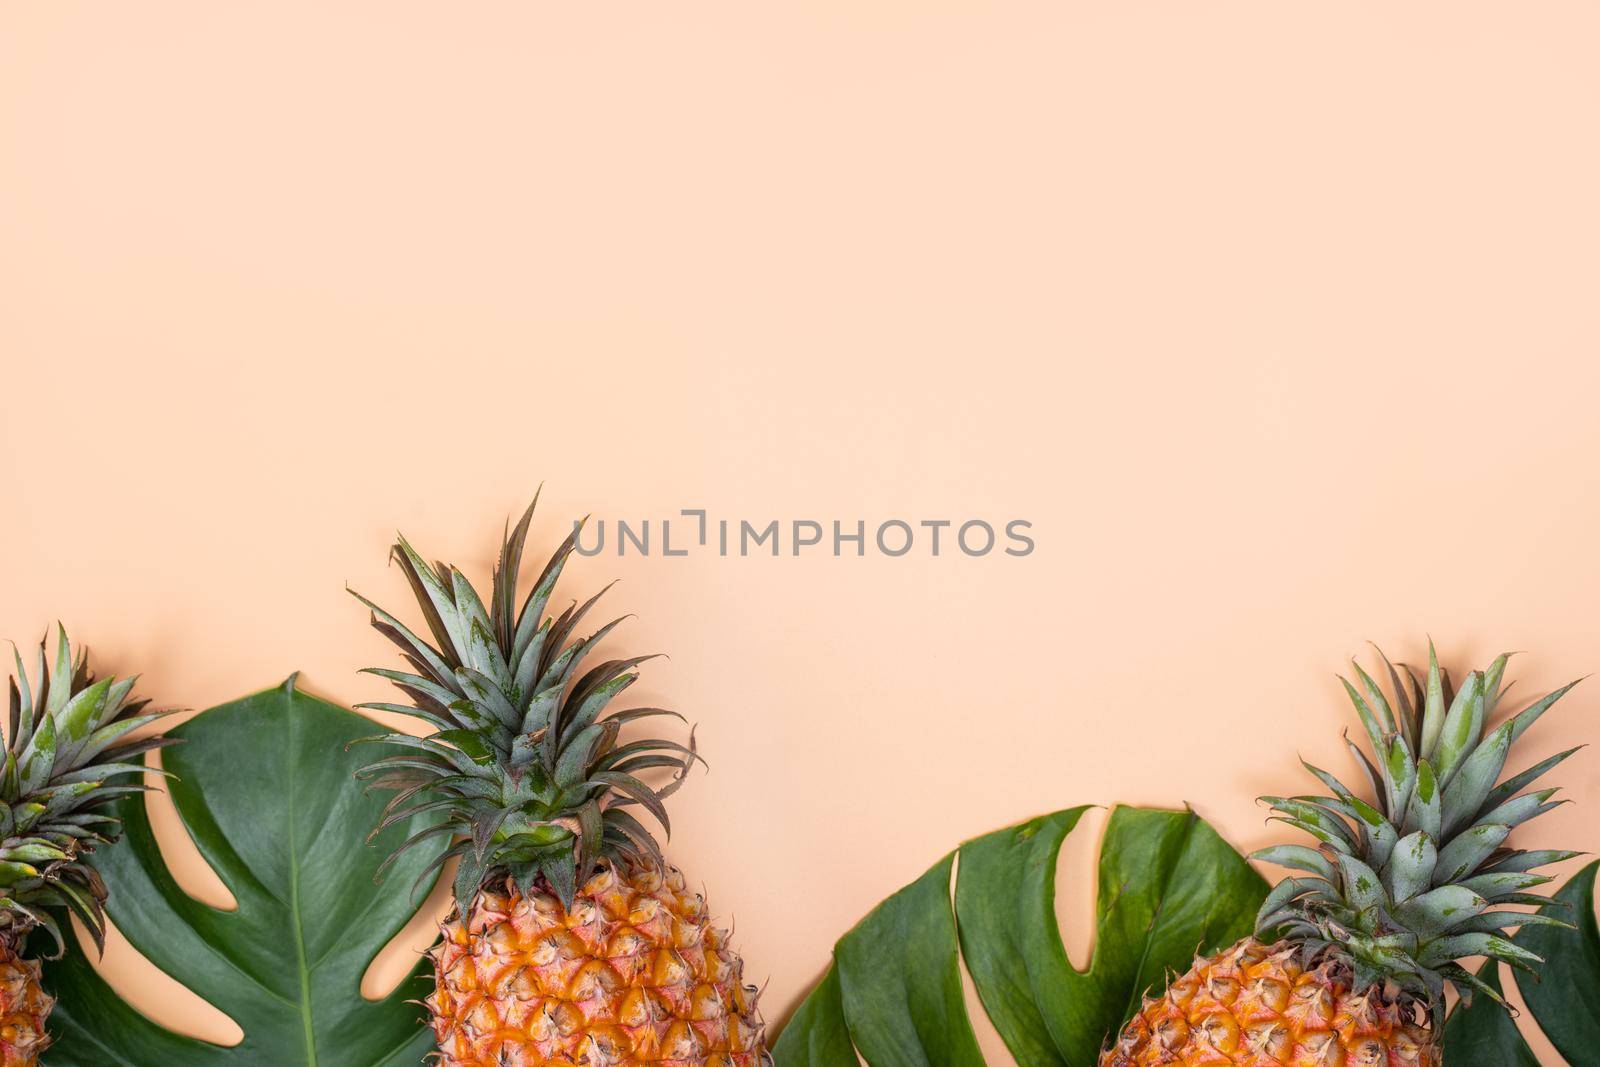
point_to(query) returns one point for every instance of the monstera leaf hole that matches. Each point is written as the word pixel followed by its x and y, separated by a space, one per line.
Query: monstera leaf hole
pixel 399 957
pixel 900 990
pixel 1078 886
pixel 189 869
pixel 126 970
pixel 153 992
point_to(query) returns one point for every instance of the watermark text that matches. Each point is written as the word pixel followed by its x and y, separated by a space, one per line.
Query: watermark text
pixel 694 531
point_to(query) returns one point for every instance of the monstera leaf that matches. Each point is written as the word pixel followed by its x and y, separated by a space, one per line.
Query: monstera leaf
pixel 1483 1034
pixel 265 787
pixel 1168 886
pixel 1564 996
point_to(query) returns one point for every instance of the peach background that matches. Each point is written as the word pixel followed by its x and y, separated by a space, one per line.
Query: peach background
pixel 1276 320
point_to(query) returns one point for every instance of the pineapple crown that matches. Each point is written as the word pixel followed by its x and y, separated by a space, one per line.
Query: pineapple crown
pixel 67 755
pixel 1403 887
pixel 525 772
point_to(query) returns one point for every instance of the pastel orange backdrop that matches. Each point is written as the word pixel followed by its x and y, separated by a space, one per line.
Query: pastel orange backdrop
pixel 1276 321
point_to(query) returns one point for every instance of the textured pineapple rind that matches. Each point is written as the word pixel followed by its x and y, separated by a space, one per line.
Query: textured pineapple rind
pixel 1257 1004
pixel 24 1008
pixel 632 972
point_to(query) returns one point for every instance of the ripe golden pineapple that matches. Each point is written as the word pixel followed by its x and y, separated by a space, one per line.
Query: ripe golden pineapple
pixel 571 941
pixel 65 744
pixel 631 972
pixel 1350 961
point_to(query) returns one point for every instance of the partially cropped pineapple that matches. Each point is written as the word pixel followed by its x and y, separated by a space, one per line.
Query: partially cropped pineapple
pixel 571 942
pixel 66 746
pixel 1350 962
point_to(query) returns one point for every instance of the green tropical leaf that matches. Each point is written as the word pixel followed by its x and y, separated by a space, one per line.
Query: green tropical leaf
pixel 816 1035
pixel 1168 886
pixel 1565 994
pixel 267 792
pixel 900 976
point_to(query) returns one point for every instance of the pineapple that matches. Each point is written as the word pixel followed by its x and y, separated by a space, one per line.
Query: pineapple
pixel 1351 958
pixel 571 941
pixel 66 743
pixel 24 1007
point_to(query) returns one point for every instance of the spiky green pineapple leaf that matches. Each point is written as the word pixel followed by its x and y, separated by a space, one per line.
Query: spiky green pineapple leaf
pixel 1168 885
pixel 522 746
pixel 267 791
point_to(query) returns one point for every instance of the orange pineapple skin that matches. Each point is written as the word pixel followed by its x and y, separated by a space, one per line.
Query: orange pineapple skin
pixel 1253 1004
pixel 634 973
pixel 24 1007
